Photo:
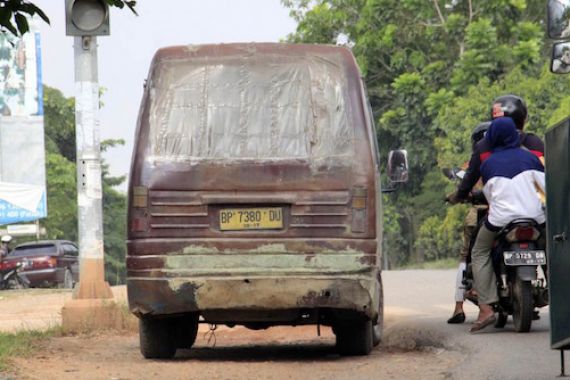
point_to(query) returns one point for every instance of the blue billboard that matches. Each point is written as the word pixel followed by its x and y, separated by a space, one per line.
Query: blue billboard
pixel 23 195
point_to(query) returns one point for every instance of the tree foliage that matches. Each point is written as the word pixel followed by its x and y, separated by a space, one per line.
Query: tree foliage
pixel 432 69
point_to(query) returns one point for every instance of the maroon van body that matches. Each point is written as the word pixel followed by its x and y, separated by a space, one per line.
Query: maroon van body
pixel 254 194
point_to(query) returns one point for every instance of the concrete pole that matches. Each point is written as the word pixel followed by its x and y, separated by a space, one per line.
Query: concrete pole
pixel 89 187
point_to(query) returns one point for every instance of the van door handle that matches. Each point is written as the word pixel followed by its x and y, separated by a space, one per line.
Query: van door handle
pixel 560 237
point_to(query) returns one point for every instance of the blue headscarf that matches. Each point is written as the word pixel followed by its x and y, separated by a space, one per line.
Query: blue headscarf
pixel 503 134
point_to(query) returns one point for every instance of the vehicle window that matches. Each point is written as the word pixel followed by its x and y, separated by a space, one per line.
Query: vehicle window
pixel 266 106
pixel 70 250
pixel 34 250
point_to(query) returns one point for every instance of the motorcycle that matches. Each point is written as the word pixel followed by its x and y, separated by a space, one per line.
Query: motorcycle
pixel 519 262
pixel 12 278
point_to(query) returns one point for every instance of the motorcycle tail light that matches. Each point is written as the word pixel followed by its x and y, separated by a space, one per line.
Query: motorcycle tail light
pixel 526 233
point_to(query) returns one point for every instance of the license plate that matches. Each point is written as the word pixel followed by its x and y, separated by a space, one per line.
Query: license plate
pixel 525 257
pixel 236 219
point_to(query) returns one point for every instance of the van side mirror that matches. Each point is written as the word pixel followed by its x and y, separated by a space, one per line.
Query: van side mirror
pixel 560 63
pixel 558 19
pixel 398 166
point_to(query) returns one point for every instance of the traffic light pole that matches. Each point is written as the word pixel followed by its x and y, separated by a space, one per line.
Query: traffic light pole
pixel 92 306
pixel 89 187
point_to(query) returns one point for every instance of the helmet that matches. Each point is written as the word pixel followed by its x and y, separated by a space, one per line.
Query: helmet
pixel 6 239
pixel 479 132
pixel 511 106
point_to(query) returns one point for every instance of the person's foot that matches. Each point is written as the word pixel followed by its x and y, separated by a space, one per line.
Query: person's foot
pixel 480 324
pixel 457 318
pixel 486 318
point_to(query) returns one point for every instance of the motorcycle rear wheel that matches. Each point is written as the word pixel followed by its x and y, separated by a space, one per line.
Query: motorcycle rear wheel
pixel 522 305
pixel 501 319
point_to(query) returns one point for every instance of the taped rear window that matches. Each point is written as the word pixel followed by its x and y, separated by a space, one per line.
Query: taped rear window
pixel 250 106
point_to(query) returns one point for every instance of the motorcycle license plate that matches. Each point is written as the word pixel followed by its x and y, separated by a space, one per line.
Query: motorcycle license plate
pixel 525 257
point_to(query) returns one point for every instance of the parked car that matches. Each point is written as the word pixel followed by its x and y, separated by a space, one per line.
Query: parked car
pixel 46 263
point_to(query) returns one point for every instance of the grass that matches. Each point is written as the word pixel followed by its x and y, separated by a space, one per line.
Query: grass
pixel 10 294
pixel 447 263
pixel 22 343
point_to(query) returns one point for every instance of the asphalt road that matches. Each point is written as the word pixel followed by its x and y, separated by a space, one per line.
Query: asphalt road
pixel 425 300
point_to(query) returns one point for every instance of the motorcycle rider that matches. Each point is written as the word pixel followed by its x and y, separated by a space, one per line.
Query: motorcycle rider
pixel 513 107
pixel 469 227
pixel 510 106
pixel 511 175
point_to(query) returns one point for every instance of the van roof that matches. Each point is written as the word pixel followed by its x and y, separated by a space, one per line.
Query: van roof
pixel 244 49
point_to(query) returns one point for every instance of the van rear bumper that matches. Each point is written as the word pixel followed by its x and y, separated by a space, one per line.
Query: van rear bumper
pixel 292 274
pixel 155 297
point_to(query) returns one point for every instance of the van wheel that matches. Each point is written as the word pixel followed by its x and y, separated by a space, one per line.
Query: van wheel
pixel 186 331
pixel 157 338
pixel 377 329
pixel 354 338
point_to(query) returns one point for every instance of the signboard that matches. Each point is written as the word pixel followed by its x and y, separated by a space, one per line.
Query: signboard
pixel 22 229
pixel 22 149
pixel 558 231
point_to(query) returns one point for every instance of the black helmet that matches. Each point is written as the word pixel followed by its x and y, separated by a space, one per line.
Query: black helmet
pixel 479 132
pixel 511 106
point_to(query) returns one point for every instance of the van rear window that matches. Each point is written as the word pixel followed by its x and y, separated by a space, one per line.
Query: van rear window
pixel 250 106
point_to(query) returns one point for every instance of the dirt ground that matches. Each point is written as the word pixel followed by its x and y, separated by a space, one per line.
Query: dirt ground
pixel 278 353
pixel 238 353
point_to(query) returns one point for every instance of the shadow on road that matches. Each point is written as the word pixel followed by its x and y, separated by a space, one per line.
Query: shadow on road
pixel 261 353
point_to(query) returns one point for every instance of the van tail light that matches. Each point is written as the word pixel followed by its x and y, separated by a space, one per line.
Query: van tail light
pixel 139 220
pixel 526 233
pixel 139 215
pixel 359 196
pixel 140 196
pixel 139 223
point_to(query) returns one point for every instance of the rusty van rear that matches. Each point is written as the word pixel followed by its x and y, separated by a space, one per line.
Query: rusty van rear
pixel 254 195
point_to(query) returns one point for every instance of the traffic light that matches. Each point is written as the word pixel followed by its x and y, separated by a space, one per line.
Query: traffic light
pixel 87 18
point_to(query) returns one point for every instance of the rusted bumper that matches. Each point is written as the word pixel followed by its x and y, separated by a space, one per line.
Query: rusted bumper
pixel 267 278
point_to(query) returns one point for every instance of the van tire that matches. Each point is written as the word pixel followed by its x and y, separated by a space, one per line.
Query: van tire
pixel 378 327
pixel 157 338
pixel 186 331
pixel 354 338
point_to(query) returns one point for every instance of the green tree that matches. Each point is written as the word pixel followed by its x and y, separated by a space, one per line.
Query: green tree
pixel 431 69
pixel 61 222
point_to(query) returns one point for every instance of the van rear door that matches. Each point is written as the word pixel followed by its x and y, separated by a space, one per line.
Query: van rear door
pixel 270 144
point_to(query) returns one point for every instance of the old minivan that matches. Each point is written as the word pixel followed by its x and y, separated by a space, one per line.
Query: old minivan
pixel 254 195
